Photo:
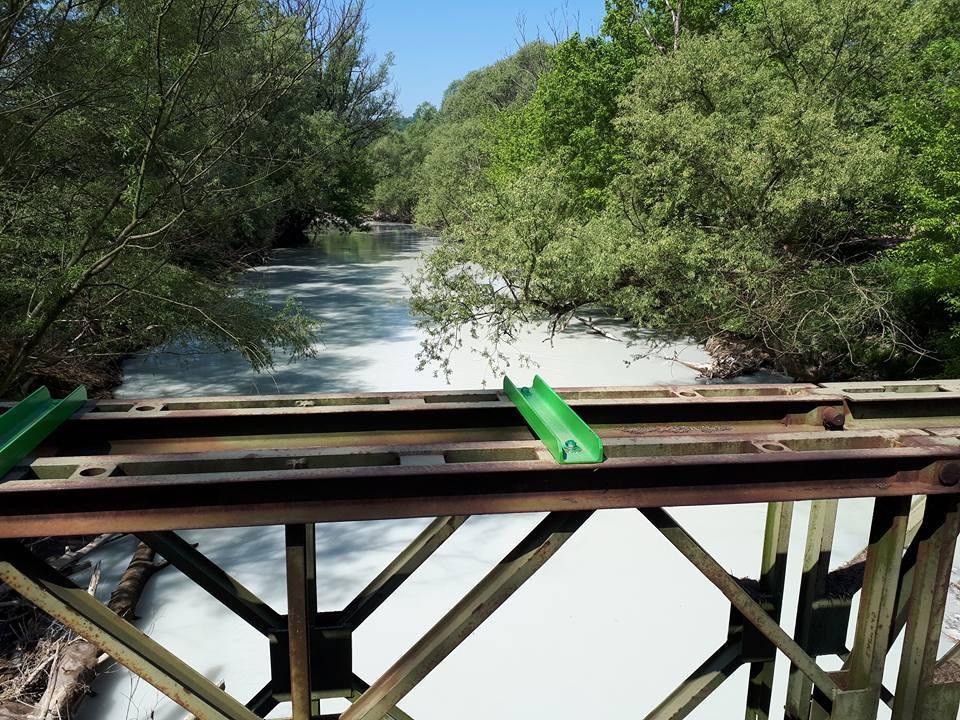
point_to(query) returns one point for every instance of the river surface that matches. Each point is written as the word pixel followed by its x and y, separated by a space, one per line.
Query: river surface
pixel 612 623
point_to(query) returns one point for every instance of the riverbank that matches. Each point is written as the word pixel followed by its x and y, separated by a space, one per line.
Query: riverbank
pixel 722 358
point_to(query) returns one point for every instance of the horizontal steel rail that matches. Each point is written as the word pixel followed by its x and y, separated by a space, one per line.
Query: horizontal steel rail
pixel 168 463
pixel 154 466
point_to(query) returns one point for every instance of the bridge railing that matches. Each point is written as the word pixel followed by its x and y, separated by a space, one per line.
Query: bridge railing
pixel 156 466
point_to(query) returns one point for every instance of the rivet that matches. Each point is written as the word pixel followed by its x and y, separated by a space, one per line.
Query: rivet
pixel 833 419
pixel 950 474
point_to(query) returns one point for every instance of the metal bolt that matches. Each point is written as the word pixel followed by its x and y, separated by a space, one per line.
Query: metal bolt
pixel 950 474
pixel 833 419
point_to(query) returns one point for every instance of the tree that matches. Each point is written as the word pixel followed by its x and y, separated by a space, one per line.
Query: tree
pixel 926 124
pixel 398 157
pixel 755 197
pixel 146 147
pixel 460 150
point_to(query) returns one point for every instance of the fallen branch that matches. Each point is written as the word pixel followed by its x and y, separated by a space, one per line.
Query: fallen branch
pixel 596 330
pixel 76 662
pixel 71 557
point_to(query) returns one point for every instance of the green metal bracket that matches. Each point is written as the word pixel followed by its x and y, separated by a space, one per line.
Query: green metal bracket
pixel 568 438
pixel 27 423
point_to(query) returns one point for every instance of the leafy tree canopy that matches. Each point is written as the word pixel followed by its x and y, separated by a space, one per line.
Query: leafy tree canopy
pixel 782 174
pixel 148 147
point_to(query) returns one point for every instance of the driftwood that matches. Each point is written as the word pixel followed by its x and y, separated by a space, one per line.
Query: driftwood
pixel 74 662
pixel 68 563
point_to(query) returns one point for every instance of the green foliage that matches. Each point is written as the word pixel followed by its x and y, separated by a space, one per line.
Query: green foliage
pixel 782 173
pixel 570 119
pixel 927 126
pixel 397 158
pixel 148 147
pixel 431 167
pixel 498 87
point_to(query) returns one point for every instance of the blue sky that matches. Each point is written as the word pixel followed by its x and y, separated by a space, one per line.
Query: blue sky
pixel 435 42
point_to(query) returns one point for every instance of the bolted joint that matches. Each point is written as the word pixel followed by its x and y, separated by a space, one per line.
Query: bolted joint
pixel 833 419
pixel 949 474
pixel 331 661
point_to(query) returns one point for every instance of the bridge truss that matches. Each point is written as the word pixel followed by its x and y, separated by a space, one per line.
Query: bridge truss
pixel 153 467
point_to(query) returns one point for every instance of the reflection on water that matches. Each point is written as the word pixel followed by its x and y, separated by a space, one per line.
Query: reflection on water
pixel 354 285
pixel 384 243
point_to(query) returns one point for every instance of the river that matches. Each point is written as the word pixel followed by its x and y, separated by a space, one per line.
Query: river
pixel 614 621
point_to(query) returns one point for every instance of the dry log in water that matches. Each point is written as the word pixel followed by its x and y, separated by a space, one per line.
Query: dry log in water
pixel 71 557
pixel 76 661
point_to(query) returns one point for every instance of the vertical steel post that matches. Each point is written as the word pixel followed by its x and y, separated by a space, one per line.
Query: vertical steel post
pixel 931 582
pixel 301 611
pixel 773 572
pixel 816 568
pixel 878 601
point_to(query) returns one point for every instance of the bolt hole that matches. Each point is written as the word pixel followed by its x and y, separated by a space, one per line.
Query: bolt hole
pixel 146 408
pixel 773 447
pixel 688 394
pixel 93 471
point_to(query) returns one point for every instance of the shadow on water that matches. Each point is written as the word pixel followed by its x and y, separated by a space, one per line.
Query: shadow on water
pixel 352 284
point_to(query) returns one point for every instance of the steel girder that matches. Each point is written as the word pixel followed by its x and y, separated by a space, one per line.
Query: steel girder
pixel 156 466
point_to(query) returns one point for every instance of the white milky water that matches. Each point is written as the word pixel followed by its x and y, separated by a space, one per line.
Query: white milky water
pixel 606 629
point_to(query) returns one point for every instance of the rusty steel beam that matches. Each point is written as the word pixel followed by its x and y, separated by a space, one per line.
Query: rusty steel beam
pixel 878 601
pixel 392 490
pixel 228 591
pixel 92 429
pixel 739 598
pixel 263 703
pixel 412 557
pixel 360 686
pixel 932 573
pixel 703 681
pixel 156 465
pixel 301 610
pixel 773 572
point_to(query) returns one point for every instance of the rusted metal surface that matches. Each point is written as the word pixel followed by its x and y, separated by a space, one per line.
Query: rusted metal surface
pixel 169 463
pixel 815 613
pixel 878 601
pixel 153 466
pixel 379 490
pixel 773 572
pixel 301 609
pixel 933 563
